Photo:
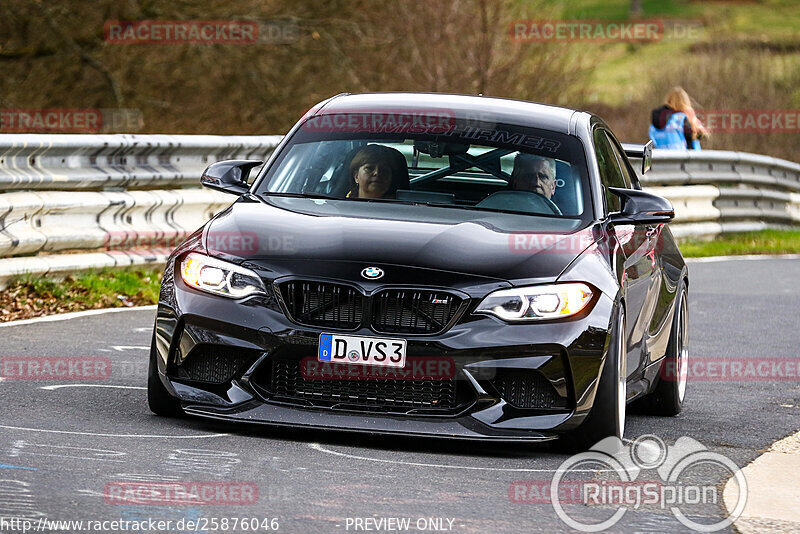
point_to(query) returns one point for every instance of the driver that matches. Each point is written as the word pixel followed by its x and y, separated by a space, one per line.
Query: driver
pixel 373 174
pixel 534 173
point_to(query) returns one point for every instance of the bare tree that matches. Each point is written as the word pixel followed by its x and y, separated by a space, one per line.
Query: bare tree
pixel 636 10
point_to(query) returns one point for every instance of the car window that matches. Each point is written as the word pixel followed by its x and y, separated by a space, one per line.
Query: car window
pixel 624 164
pixel 610 172
pixel 498 167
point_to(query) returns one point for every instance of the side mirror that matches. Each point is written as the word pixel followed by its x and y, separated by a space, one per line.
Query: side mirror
pixel 647 157
pixel 639 207
pixel 643 152
pixel 229 176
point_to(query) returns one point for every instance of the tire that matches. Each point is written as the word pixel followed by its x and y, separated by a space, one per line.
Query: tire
pixel 158 398
pixel 607 415
pixel 667 397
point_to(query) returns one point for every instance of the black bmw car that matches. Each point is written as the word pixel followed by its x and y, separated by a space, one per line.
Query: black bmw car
pixel 429 264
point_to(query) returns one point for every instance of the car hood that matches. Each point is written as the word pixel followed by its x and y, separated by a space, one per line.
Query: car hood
pixel 469 243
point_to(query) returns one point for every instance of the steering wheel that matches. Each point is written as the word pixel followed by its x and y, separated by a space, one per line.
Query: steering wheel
pixel 519 200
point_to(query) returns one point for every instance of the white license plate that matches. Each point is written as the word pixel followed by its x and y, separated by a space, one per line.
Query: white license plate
pixel 362 350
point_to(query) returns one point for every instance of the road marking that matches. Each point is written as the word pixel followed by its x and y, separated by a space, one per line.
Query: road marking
pixel 744 257
pixel 111 435
pixel 130 477
pixel 214 463
pixel 320 448
pixel 6 466
pixel 120 348
pixel 59 386
pixel 75 315
pixel 18 501
pixel 146 477
pixel 78 453
pixel 644 444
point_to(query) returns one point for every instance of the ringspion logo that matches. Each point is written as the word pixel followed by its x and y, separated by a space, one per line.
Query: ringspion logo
pixel 609 476
pixel 586 492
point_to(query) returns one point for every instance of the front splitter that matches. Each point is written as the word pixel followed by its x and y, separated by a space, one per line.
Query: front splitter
pixel 459 428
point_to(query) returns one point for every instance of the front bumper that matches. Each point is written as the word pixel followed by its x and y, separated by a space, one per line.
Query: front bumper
pixel 464 427
pixel 526 382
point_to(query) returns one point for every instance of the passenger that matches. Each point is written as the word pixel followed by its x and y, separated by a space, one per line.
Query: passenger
pixel 374 173
pixel 534 173
pixel 675 124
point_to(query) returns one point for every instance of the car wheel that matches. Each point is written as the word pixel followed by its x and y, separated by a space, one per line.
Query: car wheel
pixel 607 415
pixel 158 398
pixel 667 397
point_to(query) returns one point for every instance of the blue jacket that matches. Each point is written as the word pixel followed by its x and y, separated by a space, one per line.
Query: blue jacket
pixel 671 130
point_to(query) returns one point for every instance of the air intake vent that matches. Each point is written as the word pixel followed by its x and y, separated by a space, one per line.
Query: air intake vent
pixel 284 378
pixel 214 364
pixel 526 389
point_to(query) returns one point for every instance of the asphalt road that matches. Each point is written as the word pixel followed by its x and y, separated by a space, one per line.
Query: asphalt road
pixel 66 446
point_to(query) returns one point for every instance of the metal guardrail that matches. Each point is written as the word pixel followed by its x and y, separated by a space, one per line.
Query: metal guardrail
pixel 72 202
pixel 722 168
pixel 69 162
pixel 716 191
pixel 131 227
pixel 122 197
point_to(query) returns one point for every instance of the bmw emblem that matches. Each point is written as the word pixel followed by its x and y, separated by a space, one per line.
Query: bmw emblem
pixel 372 273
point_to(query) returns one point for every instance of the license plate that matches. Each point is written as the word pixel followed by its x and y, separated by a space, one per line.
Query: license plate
pixel 362 350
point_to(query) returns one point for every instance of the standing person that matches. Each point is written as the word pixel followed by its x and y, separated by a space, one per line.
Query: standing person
pixel 675 124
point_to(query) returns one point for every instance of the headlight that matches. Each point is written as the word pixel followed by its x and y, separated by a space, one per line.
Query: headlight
pixel 536 302
pixel 219 277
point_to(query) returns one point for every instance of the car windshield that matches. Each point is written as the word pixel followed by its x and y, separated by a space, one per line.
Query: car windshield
pixel 432 160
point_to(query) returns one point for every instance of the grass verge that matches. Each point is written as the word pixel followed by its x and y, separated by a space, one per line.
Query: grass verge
pixel 32 296
pixel 736 244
